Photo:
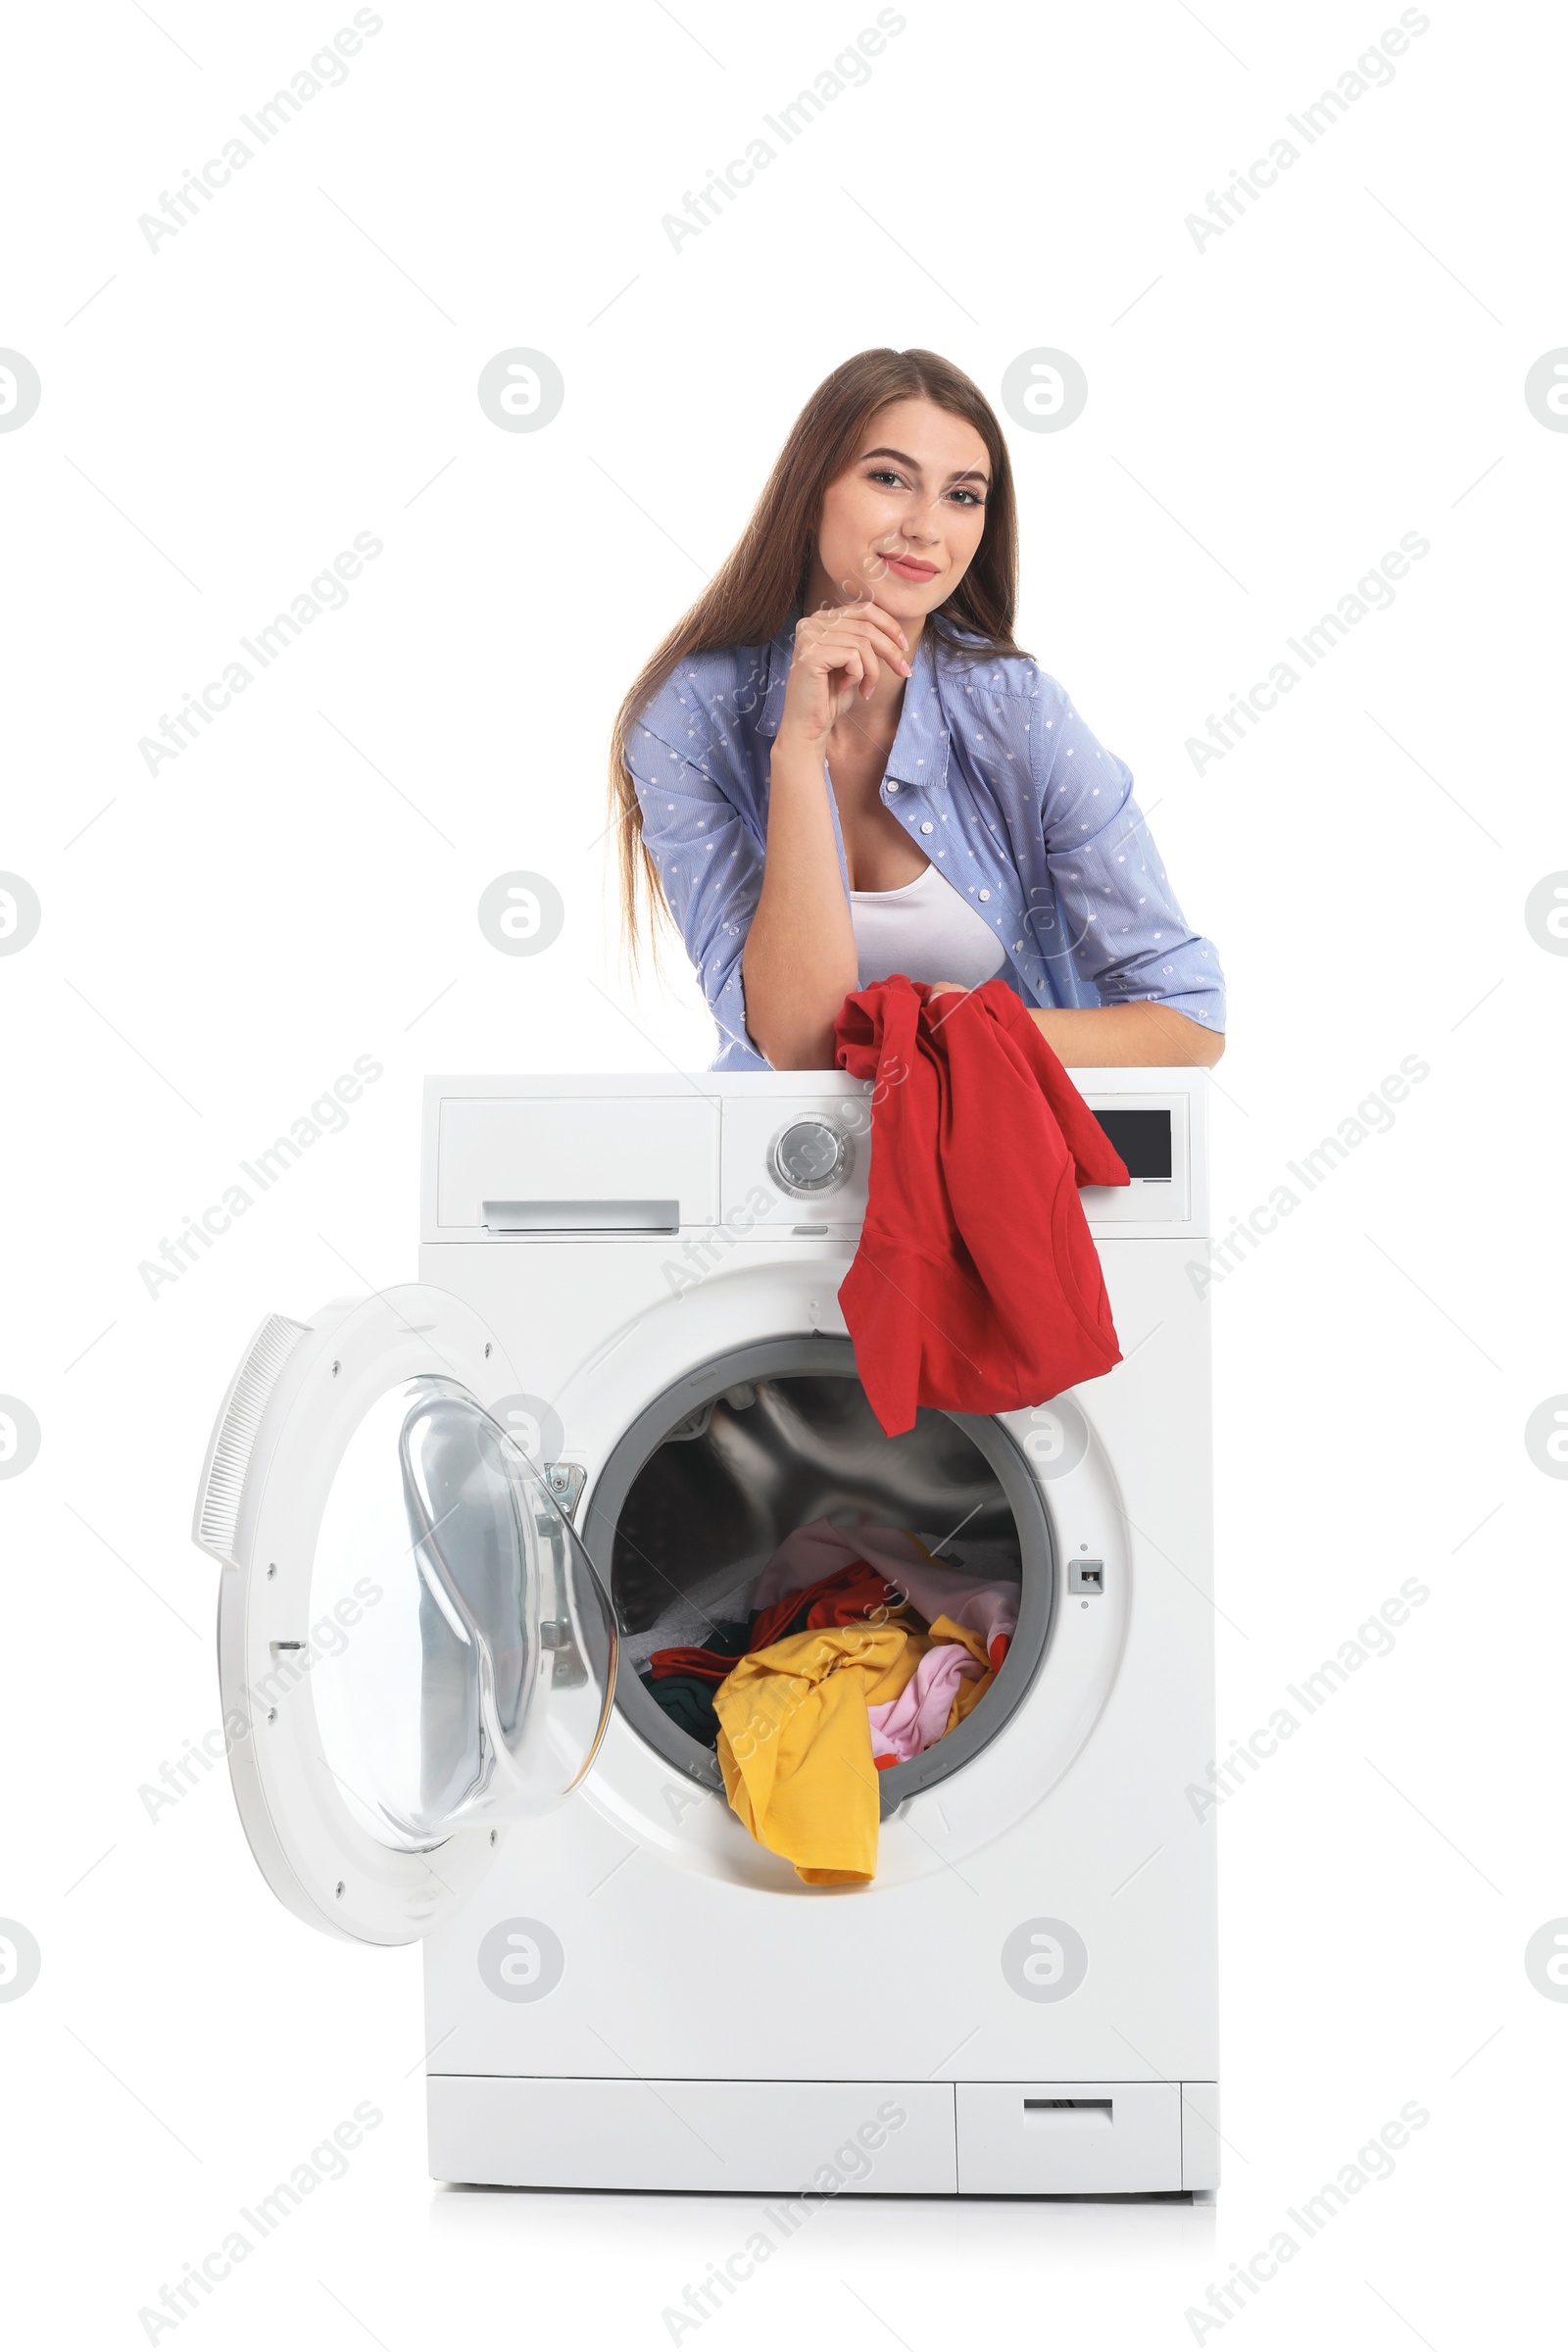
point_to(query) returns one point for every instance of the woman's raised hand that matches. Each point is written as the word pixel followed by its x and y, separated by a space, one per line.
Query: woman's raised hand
pixel 839 656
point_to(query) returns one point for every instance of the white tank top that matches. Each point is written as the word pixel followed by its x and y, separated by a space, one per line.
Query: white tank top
pixel 925 929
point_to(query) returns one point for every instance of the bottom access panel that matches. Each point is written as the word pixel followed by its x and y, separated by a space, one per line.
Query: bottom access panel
pixel 539 2131
pixel 1068 2138
pixel 825 2139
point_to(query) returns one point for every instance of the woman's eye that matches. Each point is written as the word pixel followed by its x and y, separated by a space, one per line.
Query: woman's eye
pixel 880 473
pixel 970 497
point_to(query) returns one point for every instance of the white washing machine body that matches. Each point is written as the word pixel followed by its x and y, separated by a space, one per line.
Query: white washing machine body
pixel 622 1988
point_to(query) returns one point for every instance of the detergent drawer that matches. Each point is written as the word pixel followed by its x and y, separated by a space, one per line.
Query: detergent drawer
pixel 1068 2138
pixel 765 2138
pixel 574 1165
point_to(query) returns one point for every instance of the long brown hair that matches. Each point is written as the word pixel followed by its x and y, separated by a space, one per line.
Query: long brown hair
pixel 765 574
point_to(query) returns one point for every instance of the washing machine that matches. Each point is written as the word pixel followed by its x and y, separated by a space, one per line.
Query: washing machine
pixel 453 1519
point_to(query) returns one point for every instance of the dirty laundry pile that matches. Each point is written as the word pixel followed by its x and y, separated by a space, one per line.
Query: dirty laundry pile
pixel 859 1650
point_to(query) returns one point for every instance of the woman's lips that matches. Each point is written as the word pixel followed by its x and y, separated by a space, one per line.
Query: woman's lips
pixel 909 567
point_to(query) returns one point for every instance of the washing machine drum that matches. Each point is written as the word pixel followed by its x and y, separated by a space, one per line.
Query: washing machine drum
pixel 735 1456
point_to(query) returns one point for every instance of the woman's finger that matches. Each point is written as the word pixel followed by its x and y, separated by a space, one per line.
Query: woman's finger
pixel 872 650
pixel 852 654
pixel 867 616
pixel 867 669
pixel 885 626
pixel 841 669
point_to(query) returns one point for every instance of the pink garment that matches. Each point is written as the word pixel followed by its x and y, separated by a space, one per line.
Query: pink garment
pixel 903 1727
pixel 816 1550
pixel 813 1552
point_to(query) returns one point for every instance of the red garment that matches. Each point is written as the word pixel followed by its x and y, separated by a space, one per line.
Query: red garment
pixel 842 1598
pixel 703 1665
pixel 976 1285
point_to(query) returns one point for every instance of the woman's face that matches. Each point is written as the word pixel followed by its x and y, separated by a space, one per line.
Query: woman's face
pixel 903 520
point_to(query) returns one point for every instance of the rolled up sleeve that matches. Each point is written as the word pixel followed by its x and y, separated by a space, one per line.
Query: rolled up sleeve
pixel 710 865
pixel 1111 911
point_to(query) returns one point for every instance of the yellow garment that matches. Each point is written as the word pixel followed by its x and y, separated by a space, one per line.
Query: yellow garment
pixel 795 1743
pixel 943 1629
pixel 969 1696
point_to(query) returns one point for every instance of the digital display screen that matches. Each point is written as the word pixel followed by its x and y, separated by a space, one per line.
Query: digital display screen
pixel 1142 1138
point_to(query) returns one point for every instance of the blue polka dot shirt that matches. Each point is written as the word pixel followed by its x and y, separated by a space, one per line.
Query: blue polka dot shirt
pixel 994 776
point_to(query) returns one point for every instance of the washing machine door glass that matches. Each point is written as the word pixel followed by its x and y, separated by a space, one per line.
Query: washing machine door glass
pixel 414 1652
pixel 473 1673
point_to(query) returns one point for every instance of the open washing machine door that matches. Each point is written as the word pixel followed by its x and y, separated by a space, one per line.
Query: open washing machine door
pixel 413 1648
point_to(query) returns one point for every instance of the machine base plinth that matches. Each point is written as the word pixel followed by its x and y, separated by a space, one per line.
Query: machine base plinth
pixel 813 2140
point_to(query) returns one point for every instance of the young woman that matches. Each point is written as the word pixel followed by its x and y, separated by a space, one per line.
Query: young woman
pixel 839 766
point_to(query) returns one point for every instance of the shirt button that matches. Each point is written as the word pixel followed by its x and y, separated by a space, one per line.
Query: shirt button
pixel 892 786
pixel 984 894
pixel 927 827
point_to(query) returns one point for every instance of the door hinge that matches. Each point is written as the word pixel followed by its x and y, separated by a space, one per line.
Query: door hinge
pixel 565 1481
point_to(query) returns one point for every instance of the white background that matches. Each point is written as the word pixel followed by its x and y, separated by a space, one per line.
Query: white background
pixel 220 940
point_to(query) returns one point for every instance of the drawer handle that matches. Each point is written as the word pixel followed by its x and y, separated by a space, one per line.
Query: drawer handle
pixel 581 1217
pixel 1100 2107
